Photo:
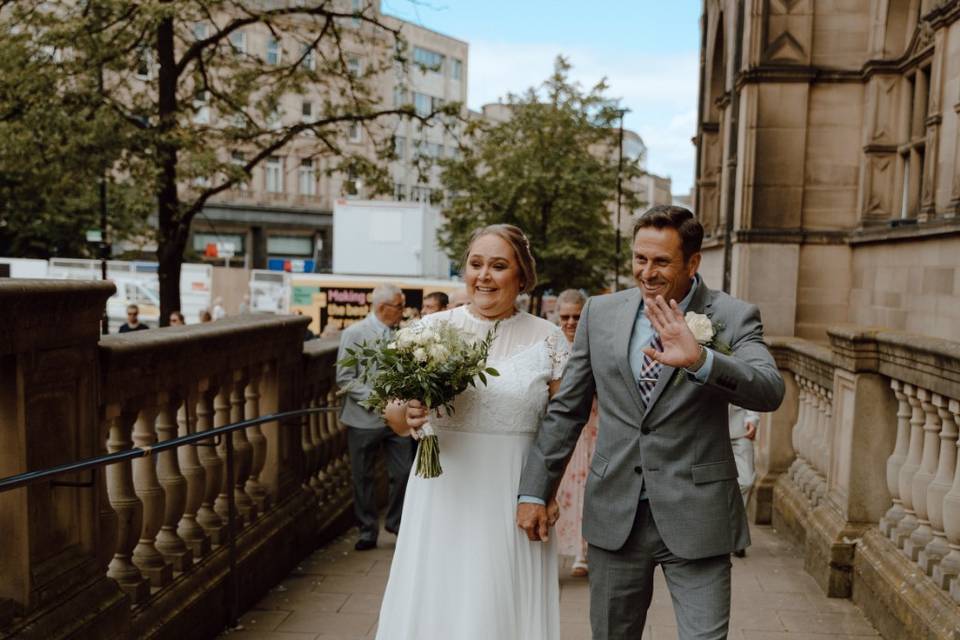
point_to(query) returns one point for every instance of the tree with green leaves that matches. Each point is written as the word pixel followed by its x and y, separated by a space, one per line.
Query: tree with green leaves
pixel 551 169
pixel 212 88
pixel 59 145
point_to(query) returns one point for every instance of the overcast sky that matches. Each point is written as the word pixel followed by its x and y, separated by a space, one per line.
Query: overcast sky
pixel 647 50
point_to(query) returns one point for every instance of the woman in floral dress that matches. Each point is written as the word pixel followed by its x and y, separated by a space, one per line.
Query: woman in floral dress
pixel 570 494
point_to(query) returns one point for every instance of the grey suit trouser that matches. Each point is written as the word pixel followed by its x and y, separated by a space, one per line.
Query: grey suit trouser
pixel 363 445
pixel 621 587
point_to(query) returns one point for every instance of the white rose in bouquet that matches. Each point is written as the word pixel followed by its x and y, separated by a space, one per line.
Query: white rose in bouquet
pixel 420 354
pixel 438 353
pixel 700 326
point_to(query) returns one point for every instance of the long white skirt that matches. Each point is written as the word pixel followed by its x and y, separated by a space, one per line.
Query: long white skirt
pixel 462 569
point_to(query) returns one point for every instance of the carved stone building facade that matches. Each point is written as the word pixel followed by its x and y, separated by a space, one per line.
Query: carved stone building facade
pixel 828 161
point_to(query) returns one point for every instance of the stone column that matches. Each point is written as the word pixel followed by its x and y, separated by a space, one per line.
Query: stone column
pixel 775 453
pixel 895 513
pixel 948 569
pixel 909 469
pixel 147 484
pixel 258 442
pixel 189 528
pixel 937 548
pixel 169 542
pixel 923 534
pixel 207 516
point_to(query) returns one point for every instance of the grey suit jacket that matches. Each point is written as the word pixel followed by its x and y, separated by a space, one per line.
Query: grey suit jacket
pixel 679 447
pixel 352 414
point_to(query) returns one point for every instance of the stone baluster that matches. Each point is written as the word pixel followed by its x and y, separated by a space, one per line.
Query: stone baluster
pixel 126 504
pixel 147 485
pixel 189 528
pixel 340 457
pixel 817 446
pixel 207 515
pixel 324 444
pixel 221 418
pixel 895 513
pixel 316 435
pixel 253 486
pixel 812 438
pixel 307 441
pixel 242 449
pixel 799 443
pixel 937 548
pixel 820 491
pixel 948 568
pixel 914 454
pixel 923 534
pixel 169 542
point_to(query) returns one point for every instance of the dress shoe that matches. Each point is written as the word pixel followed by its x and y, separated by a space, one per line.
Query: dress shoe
pixel 393 531
pixel 365 545
pixel 740 553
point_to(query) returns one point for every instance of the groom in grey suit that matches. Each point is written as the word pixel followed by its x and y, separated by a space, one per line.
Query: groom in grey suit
pixel 662 488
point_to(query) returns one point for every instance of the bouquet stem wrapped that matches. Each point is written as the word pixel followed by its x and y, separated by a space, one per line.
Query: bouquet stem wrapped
pixel 432 363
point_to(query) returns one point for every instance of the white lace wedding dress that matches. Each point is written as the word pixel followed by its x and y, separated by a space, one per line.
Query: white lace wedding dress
pixel 462 569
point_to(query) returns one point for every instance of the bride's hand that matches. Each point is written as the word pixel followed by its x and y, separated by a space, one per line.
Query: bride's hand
pixel 415 413
pixel 553 512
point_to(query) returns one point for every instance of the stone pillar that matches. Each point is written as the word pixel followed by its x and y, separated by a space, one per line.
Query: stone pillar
pixel 937 548
pixel 52 553
pixel 774 451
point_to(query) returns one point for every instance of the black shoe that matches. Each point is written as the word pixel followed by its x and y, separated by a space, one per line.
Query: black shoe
pixel 740 553
pixel 365 545
pixel 393 531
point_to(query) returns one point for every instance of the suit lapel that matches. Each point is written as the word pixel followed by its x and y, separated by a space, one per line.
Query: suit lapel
pixel 699 303
pixel 626 317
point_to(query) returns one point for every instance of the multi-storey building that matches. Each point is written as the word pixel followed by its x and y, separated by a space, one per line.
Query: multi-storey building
pixel 284 213
pixel 828 165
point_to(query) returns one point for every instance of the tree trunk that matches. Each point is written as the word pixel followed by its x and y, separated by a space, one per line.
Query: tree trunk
pixel 172 231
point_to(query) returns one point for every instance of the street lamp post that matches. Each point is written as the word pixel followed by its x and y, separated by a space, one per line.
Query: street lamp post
pixel 616 270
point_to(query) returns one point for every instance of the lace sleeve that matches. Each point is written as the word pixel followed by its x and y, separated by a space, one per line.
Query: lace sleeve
pixel 558 352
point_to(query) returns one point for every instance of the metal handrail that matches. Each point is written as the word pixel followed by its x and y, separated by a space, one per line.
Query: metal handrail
pixel 32 477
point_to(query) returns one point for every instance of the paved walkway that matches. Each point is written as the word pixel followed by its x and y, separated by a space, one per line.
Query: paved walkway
pixel 335 595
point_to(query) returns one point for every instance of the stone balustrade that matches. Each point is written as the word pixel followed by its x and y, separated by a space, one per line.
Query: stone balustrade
pixel 868 479
pixel 140 548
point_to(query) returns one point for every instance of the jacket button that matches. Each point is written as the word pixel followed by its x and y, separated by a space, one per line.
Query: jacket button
pixel 644 430
pixel 639 470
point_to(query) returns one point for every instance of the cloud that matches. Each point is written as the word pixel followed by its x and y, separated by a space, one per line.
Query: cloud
pixel 660 91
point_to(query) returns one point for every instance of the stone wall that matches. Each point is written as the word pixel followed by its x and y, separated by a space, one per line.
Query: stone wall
pixel 911 286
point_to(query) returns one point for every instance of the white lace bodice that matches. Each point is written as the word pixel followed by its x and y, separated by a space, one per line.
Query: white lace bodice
pixel 528 352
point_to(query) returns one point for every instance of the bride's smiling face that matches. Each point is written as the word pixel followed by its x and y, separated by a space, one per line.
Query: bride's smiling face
pixel 492 277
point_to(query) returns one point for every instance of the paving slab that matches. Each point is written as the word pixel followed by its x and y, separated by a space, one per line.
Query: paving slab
pixel 335 595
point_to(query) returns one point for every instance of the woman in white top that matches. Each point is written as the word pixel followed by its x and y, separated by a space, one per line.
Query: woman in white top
pixel 462 569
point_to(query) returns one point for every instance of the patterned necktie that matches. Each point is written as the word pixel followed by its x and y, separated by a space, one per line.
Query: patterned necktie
pixel 649 372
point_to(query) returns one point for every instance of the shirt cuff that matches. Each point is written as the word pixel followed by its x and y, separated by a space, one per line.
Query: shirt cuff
pixel 531 500
pixel 703 373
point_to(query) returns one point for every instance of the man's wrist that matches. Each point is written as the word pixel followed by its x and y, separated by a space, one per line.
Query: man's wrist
pixel 699 362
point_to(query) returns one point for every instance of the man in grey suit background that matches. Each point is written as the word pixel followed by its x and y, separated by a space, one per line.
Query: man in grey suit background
pixel 662 488
pixel 366 430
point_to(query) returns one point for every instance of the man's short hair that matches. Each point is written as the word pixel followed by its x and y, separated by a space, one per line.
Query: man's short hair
pixel 133 307
pixel 385 293
pixel 439 297
pixel 665 216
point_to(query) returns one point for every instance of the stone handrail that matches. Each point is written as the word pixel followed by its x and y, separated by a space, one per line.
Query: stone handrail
pixel 139 551
pixel 874 486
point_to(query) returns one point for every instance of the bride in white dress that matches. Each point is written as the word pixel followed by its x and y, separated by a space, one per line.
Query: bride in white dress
pixel 462 569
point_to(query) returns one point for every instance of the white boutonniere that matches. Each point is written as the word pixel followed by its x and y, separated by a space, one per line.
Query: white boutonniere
pixel 705 331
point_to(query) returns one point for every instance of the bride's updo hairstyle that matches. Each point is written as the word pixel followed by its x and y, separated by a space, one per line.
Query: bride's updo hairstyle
pixel 517 240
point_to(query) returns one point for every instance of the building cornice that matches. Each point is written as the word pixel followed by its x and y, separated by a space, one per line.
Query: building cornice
pixel 892 231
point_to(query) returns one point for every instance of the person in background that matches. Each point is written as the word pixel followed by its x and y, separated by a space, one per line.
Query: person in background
pixel 176 319
pixel 434 302
pixel 458 298
pixel 206 316
pixel 367 431
pixel 218 310
pixel 743 430
pixel 133 320
pixel 570 493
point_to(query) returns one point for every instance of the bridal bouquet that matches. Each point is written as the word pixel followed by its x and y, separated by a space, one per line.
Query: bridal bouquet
pixel 432 364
